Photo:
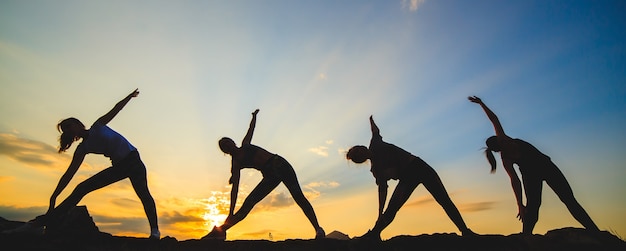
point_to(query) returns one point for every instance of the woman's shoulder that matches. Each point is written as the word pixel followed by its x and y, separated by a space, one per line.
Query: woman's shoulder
pixel 97 125
pixel 250 147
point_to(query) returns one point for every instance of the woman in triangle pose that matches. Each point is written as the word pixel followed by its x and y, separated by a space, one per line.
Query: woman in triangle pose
pixel 535 168
pixel 391 162
pixel 275 169
pixel 126 163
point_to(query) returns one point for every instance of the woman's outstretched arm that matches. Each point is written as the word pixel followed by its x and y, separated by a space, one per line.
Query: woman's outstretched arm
pixel 517 187
pixel 248 138
pixel 106 118
pixel 234 181
pixel 492 116
pixel 382 197
pixel 77 160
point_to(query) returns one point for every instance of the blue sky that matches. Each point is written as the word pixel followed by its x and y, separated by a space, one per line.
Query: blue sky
pixel 554 72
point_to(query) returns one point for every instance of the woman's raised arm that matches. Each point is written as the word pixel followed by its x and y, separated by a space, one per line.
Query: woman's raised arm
pixel 375 130
pixel 106 118
pixel 248 138
pixel 492 116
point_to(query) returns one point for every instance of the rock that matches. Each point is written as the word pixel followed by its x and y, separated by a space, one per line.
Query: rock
pixel 7 224
pixel 337 235
pixel 76 224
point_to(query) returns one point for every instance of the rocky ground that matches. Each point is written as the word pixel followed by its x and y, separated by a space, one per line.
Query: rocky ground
pixel 84 235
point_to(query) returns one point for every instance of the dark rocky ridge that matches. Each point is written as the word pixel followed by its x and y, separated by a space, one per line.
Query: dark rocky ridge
pixel 84 235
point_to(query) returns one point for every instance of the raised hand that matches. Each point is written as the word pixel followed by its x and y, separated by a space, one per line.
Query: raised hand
pixel 255 112
pixel 135 93
pixel 475 99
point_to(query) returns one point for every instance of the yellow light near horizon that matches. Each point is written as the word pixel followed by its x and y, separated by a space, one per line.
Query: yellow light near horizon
pixel 215 209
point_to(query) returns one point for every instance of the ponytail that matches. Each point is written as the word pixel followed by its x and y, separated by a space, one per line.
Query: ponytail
pixel 492 145
pixel 491 159
pixel 66 139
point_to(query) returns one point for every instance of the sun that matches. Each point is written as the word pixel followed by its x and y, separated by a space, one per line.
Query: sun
pixel 215 209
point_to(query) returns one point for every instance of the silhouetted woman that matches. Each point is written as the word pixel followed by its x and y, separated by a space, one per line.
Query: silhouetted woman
pixel 100 139
pixel 275 169
pixel 535 168
pixel 391 162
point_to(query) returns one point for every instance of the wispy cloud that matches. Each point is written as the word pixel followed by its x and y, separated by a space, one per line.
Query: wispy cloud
pixel 21 213
pixel 426 199
pixel 31 152
pixel 477 206
pixel 412 5
pixel 465 207
pixel 315 184
pixel 313 188
pixel 276 200
pixel 126 225
pixel 187 223
pixel 175 217
pixel 343 151
pixel 321 150
pixel 126 203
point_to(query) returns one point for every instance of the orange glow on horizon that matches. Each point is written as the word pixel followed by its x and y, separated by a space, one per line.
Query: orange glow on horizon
pixel 215 208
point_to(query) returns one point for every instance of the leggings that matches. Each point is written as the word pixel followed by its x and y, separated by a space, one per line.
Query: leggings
pixel 422 173
pixel 533 184
pixel 277 170
pixel 130 167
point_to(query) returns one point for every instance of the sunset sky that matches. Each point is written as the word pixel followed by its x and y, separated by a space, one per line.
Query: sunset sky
pixel 553 71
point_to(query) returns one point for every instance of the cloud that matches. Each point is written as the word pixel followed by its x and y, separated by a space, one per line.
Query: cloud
pixel 170 221
pixel 412 5
pixel 321 150
pixel 118 225
pixel 315 184
pixel 464 207
pixel 426 199
pixel 313 188
pixel 477 206
pixel 276 200
pixel 21 213
pixel 343 151
pixel 175 217
pixel 31 152
pixel 125 203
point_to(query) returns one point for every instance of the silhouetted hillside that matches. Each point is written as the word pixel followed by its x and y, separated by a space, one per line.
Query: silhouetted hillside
pixel 85 236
